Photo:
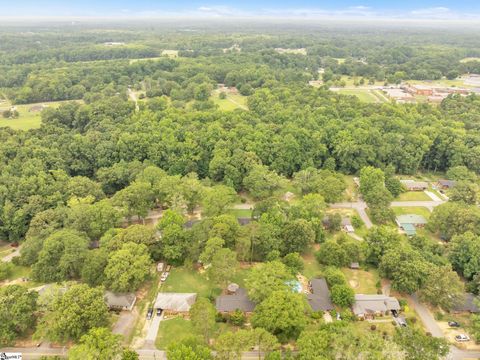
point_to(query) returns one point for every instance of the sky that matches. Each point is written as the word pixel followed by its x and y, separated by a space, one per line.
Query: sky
pixel 363 9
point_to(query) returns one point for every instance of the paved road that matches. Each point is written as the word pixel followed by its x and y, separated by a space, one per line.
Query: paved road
pixel 359 206
pixel 433 328
pixel 36 353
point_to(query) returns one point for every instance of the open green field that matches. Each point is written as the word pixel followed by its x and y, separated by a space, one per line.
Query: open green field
pixel 173 330
pixel 27 119
pixel 443 82
pixel 468 59
pixel 183 279
pixel 363 282
pixel 363 94
pixel 413 196
pixel 232 102
pixel 241 213
pixel 412 210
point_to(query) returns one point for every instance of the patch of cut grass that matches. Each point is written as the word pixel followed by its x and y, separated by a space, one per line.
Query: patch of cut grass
pixel 361 94
pixel 412 210
pixel 362 281
pixel 413 196
pixel 173 330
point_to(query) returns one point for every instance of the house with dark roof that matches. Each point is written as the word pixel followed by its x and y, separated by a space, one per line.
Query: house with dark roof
pixel 237 299
pixel 369 306
pixel 446 184
pixel 468 304
pixel 120 301
pixel 319 299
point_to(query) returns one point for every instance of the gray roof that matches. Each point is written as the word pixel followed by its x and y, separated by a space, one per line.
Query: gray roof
pixel 119 300
pixel 239 300
pixel 180 302
pixel 371 304
pixel 411 219
pixel 447 183
pixel 411 184
pixel 468 304
pixel 319 300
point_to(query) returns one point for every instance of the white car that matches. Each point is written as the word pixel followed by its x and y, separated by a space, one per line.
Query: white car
pixel 462 338
pixel 164 276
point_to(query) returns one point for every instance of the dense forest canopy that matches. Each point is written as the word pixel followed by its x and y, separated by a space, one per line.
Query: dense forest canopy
pixel 289 126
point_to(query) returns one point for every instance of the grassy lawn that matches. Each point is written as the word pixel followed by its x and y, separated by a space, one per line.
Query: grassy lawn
pixel 470 59
pixel 241 213
pixel 26 120
pixel 412 210
pixel 363 282
pixel 173 330
pixel 312 268
pixel 177 329
pixel 363 327
pixel 183 279
pixel 231 102
pixel 443 82
pixel 413 196
pixel 20 272
pixel 5 249
pixel 362 94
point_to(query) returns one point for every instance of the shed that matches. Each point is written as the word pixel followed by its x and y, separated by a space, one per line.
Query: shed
pixel 319 299
pixel 354 265
pixel 238 300
pixel 175 302
pixel 120 301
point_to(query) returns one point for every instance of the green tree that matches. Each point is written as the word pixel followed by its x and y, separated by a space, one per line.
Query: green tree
pixel 97 344
pixel 464 254
pixel 94 267
pixel 188 351
pixel 419 346
pixel 73 313
pixel 379 240
pixel 136 199
pixel 202 315
pixel 282 314
pixel 266 278
pixel 62 257
pixel 128 267
pixel 212 246
pixel 297 235
pixel 465 192
pixel 343 295
pixel 17 312
pixel 217 200
pixel 314 344
pixel 442 287
pixel 129 354
pixel 332 254
pixel 294 262
pixel 261 182
pixel 223 267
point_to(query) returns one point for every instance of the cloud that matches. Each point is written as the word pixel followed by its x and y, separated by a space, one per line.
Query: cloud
pixel 435 13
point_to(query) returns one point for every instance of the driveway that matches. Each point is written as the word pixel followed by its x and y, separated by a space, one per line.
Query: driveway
pixel 432 196
pixel 359 206
pixel 125 323
pixel 152 331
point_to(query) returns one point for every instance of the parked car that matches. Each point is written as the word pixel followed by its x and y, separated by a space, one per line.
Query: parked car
pixel 159 312
pixel 462 338
pixel 401 321
pixel 453 324
pixel 164 276
pixel 160 267
pixel 149 314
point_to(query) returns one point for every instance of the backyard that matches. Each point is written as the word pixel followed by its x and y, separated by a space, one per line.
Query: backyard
pixel 362 281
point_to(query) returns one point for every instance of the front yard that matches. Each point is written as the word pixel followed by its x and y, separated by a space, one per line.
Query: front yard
pixel 413 196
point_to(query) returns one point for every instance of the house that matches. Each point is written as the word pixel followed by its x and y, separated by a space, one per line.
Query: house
pixel 236 299
pixel 468 304
pixel 446 184
pixel 175 303
pixel 36 108
pixel 412 185
pixel 369 306
pixel 347 225
pixel 319 299
pixel 420 90
pixel 409 223
pixel 120 301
